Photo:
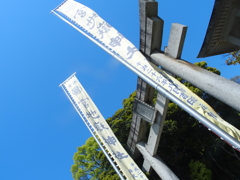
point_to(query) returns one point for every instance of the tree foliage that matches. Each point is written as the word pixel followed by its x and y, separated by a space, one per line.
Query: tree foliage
pixel 186 146
pixel 199 171
pixel 185 143
pixel 120 122
pixel 233 58
pixel 89 161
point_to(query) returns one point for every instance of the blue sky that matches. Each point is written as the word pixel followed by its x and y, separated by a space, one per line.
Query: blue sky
pixel 39 128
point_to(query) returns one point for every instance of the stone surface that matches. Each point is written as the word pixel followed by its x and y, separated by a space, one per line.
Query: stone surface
pixel 176 40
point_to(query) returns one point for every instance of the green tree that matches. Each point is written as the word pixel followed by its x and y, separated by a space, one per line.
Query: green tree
pixel 187 147
pixel 91 163
pixel 120 122
pixel 199 171
pixel 233 58
pixel 185 140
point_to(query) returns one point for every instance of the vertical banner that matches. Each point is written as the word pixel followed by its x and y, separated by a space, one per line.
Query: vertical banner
pixel 97 124
pixel 100 32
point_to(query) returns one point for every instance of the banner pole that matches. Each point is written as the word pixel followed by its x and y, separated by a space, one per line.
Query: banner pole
pixel 96 139
pixel 212 127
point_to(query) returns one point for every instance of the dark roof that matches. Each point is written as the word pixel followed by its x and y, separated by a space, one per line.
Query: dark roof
pixel 219 27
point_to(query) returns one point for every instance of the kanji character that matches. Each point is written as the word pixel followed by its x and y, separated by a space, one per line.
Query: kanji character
pixel 103 28
pixel 191 100
pixel 132 173
pixel 110 140
pixel 131 51
pixel 164 81
pixel 171 86
pixel 92 114
pixel 120 155
pixel 99 126
pixel 159 77
pixel 116 41
pixel 203 107
pixel 91 20
pixel 176 90
pixel 139 63
pixel 153 73
pixel 183 95
pixel 149 70
pixel 84 102
pixel 144 67
pixel 76 90
pixel 80 12
pixel 212 115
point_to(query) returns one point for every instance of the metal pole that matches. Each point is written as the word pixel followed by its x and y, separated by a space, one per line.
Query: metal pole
pixel 212 127
pixel 219 87
pixel 96 139
pixel 222 134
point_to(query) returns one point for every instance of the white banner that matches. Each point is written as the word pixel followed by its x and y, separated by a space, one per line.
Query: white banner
pixel 101 32
pixel 95 121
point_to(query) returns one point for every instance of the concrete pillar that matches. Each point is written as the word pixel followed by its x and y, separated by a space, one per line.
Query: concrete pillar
pixel 157 164
pixel 156 130
pixel 219 87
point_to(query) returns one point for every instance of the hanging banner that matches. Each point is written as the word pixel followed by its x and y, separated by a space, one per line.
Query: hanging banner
pixel 103 34
pixel 97 124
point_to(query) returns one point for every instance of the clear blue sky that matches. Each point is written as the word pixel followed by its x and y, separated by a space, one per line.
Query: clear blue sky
pixel 39 128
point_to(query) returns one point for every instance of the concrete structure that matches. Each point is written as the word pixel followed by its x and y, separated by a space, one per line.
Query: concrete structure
pixel 157 164
pixel 151 30
pixel 147 112
pixel 176 41
pixel 219 87
pixel 148 42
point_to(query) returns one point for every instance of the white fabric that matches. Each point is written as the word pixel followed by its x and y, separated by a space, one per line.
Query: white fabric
pixel 95 121
pixel 96 27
